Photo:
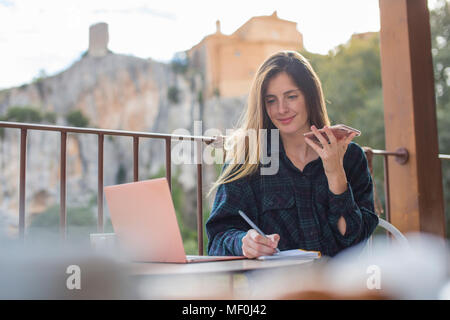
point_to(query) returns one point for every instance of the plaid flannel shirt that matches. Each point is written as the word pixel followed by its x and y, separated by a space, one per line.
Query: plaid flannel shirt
pixel 297 205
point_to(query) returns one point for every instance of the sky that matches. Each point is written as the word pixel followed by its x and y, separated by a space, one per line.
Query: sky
pixel 49 35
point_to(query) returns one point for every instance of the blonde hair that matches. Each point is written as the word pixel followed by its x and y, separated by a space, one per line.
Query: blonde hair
pixel 241 158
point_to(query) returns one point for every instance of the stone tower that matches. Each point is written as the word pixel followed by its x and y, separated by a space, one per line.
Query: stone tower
pixel 98 39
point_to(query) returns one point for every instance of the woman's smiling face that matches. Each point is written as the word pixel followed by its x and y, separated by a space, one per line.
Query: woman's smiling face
pixel 285 104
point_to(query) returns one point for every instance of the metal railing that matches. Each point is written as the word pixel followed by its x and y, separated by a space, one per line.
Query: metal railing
pixel 401 156
pixel 25 127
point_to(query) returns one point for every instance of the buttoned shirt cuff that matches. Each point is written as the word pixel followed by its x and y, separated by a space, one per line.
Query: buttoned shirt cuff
pixel 238 246
pixel 232 242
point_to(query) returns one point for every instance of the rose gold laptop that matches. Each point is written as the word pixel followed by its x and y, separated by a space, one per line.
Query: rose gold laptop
pixel 144 220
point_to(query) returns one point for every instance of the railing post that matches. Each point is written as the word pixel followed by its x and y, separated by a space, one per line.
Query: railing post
pixel 136 158
pixel 386 188
pixel 199 198
pixel 100 224
pixel 168 162
pixel 23 164
pixel 62 210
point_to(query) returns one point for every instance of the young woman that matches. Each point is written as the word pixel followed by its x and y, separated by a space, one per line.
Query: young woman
pixel 321 196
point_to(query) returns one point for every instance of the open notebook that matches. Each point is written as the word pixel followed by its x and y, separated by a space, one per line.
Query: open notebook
pixel 292 254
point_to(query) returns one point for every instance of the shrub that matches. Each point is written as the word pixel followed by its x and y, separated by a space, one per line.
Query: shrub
pixel 49 117
pixel 80 222
pixel 76 118
pixel 180 63
pixel 121 175
pixel 173 94
pixel 23 114
pixel 77 216
pixel 200 97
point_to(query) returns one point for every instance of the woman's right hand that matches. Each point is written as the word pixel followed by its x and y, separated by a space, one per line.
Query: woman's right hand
pixel 255 245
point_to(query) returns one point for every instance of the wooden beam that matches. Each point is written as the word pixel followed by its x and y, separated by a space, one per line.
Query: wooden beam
pixel 416 193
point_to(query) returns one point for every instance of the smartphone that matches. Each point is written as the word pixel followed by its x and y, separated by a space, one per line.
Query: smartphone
pixel 340 131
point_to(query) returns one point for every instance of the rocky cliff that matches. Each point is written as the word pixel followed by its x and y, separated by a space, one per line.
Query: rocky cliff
pixel 114 92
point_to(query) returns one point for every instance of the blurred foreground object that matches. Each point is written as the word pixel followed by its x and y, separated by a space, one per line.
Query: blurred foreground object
pixel 60 271
pixel 416 269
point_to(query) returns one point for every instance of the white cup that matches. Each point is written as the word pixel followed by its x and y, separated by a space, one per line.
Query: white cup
pixel 104 242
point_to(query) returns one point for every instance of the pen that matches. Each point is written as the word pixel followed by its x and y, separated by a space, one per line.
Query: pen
pixel 250 222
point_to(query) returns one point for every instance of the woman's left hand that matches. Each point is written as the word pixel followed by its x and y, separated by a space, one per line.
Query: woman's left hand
pixel 332 155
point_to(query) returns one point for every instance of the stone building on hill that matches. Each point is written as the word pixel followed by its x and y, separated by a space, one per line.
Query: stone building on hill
pixel 98 39
pixel 229 62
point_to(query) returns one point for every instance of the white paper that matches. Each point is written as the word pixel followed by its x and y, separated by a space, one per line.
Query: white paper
pixel 292 254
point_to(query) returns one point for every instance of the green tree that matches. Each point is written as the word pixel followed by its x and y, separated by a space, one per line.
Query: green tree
pixel 49 117
pixel 76 216
pixel 173 94
pixel 121 174
pixel 351 80
pixel 440 40
pixel 76 118
pixel 23 114
pixel 80 222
